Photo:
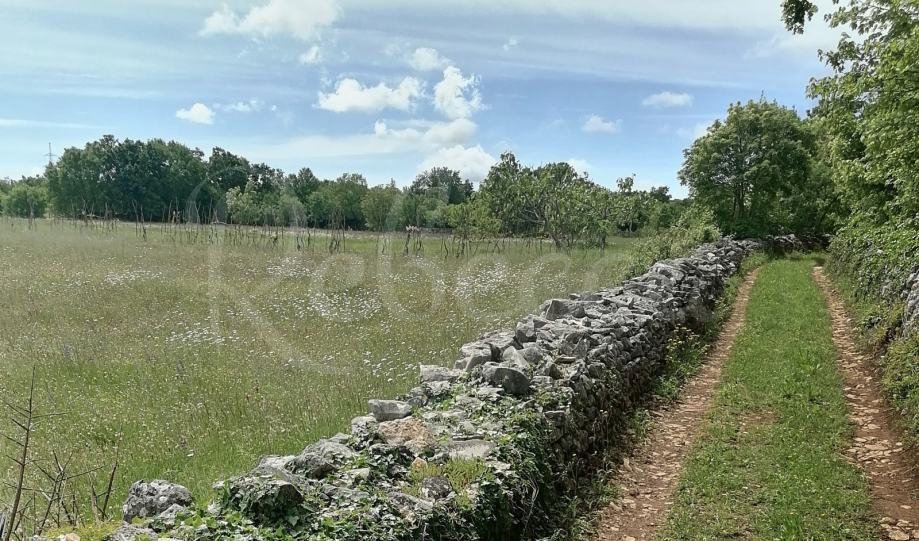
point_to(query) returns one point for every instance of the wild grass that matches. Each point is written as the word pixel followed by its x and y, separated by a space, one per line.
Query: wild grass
pixel 187 361
pixel 770 463
pixel 460 473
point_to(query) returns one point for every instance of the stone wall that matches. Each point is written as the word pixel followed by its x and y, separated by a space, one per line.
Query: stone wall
pixel 881 264
pixel 910 295
pixel 483 450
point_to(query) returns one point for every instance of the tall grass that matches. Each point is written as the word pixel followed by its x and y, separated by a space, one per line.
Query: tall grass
pixel 187 359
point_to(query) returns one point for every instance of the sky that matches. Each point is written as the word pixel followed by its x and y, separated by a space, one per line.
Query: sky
pixel 388 88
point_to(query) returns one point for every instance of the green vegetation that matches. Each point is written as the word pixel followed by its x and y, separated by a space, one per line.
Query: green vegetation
pixel 158 181
pixel 27 198
pixel 461 473
pixel 850 168
pixel 867 108
pixel 189 360
pixel 758 172
pixel 871 265
pixel 553 201
pixel 770 463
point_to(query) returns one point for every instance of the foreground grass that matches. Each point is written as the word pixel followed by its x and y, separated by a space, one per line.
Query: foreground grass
pixel 769 465
pixel 188 361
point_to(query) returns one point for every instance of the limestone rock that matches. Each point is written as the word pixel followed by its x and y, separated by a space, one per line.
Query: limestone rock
pixel 430 373
pixel 147 500
pixel 364 427
pixel 129 532
pixel 411 432
pixel 473 354
pixel 435 488
pixel 512 380
pixel 389 410
pixel 469 449
pixel 319 459
pixel 264 498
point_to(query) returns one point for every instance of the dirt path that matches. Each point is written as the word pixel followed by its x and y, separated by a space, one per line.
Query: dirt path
pixel 648 479
pixel 877 447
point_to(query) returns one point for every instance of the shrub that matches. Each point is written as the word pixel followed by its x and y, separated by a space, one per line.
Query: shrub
pixel 26 200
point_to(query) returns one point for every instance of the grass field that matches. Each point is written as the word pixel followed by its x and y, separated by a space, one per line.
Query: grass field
pixel 770 464
pixel 189 360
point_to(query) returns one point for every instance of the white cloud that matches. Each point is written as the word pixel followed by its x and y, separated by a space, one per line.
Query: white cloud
pixel 667 99
pixel 197 113
pixel 422 137
pixel 427 59
pixel 252 106
pixel 436 142
pixel 598 124
pixel 457 96
pixel 510 44
pixel 581 166
pixel 222 21
pixel 300 19
pixel 694 132
pixel 426 134
pixel 351 95
pixel 312 56
pixel 472 163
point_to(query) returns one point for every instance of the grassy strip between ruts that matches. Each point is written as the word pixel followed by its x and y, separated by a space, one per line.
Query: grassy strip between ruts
pixel 769 464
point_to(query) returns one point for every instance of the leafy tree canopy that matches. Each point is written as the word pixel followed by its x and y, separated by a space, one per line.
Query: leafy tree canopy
pixel 753 168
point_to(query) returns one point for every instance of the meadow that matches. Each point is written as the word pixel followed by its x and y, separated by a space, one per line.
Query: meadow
pixel 187 359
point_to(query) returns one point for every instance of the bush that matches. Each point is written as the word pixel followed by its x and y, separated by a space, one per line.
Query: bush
pixel 877 259
pixel 25 200
pixel 695 226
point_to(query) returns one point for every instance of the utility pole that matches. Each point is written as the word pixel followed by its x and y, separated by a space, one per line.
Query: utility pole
pixel 50 155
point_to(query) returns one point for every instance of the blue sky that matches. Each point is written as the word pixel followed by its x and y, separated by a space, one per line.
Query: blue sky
pixel 387 88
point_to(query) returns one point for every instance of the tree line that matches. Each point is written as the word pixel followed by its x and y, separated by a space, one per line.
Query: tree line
pixel 169 182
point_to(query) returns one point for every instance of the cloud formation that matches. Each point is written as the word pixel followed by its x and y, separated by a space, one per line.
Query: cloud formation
pixel 253 105
pixel 472 163
pixel 694 132
pixel 351 95
pixel 299 19
pixel 427 135
pixel 598 124
pixel 198 113
pixel 456 96
pixel 667 99
pixel 427 59
pixel 313 55
pixel 581 166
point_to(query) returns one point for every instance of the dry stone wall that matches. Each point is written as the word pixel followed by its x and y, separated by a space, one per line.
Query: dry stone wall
pixel 482 450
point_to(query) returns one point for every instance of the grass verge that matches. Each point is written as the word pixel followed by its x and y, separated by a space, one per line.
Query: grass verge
pixel 769 465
